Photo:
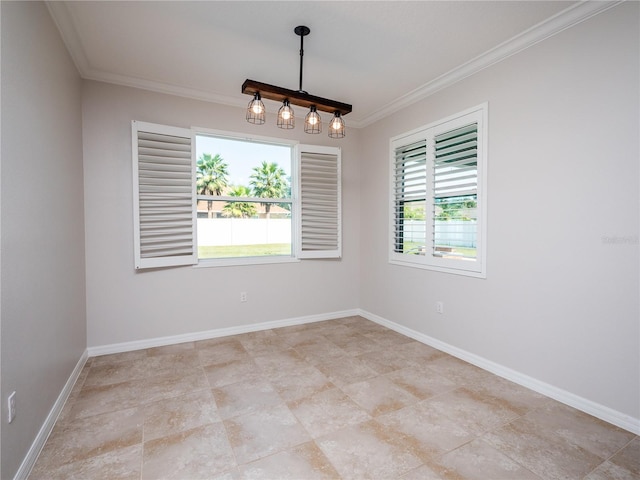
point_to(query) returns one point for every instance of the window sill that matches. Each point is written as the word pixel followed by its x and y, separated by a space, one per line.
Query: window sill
pixel 436 268
pixel 244 261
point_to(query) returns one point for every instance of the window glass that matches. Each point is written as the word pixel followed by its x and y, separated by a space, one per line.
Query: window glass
pixel 244 205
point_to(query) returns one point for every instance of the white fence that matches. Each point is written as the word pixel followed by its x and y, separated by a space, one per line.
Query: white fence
pixel 243 231
pixel 455 233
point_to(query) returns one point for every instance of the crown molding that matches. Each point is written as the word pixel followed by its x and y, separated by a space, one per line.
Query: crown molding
pixel 553 25
pixel 563 20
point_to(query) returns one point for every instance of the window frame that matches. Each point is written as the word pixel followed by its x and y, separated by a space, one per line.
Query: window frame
pixel 297 232
pixel 428 133
pixel 256 260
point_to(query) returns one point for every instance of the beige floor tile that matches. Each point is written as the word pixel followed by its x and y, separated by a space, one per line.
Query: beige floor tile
pixel 276 362
pixel 420 382
pixel 94 400
pixel 611 471
pixel 420 352
pixel 458 371
pixel 180 363
pixel 303 462
pixel 263 433
pixel 167 386
pixel 262 342
pixel 231 372
pixel 171 349
pixel 581 429
pixel 121 464
pixel 327 411
pixel 629 457
pixel 112 373
pixel 387 360
pixel 514 397
pixel 124 357
pixel 299 402
pixel 427 432
pixel 367 451
pixel 353 343
pixel 316 350
pixel 474 411
pixel 91 436
pixel 546 454
pixel 241 398
pixel 379 395
pixel 479 461
pixel 199 453
pixel 178 414
pixel 218 351
pixel 423 472
pixel 295 383
pixel 388 338
pixel 344 371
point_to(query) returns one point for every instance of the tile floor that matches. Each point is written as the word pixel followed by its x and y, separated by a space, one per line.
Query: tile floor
pixel 341 399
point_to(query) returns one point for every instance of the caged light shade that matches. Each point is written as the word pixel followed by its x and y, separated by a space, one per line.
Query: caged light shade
pixel 286 118
pixel 313 121
pixel 336 126
pixel 255 110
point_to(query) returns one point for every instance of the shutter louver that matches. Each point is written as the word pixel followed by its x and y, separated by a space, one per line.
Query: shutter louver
pixel 409 194
pixel 455 187
pixel 164 196
pixel 320 202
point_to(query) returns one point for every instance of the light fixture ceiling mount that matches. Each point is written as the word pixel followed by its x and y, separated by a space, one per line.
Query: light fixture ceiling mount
pixel 259 90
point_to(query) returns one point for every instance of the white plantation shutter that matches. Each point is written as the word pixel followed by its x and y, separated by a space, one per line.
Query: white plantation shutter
pixel 443 167
pixel 163 195
pixel 319 193
pixel 409 190
pixel 455 186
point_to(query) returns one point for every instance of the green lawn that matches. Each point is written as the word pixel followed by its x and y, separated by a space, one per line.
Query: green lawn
pixel 231 251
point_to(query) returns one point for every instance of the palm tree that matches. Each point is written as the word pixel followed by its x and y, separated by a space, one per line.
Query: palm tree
pixel 239 209
pixel 269 181
pixel 211 177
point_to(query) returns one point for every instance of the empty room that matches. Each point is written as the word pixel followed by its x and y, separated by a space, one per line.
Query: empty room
pixel 320 240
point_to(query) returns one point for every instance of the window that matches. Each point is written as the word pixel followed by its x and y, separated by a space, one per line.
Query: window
pixel 244 197
pixel 438 197
pixel 220 199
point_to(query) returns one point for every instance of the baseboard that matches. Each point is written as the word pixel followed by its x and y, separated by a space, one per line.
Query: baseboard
pixel 592 408
pixel 220 332
pixel 36 447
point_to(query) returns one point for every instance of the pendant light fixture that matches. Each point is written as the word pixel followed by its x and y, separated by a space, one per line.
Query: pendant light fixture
pixel 255 110
pixel 336 126
pixel 286 117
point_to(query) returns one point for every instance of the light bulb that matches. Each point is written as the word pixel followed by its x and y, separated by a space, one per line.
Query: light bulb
pixel 286 115
pixel 313 120
pixel 335 124
pixel 257 108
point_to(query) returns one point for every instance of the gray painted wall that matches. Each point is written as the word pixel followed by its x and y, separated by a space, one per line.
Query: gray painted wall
pixel 124 305
pixel 560 301
pixel 43 268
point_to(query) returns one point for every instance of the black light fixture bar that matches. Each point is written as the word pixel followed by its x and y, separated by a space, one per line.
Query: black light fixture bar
pixel 295 97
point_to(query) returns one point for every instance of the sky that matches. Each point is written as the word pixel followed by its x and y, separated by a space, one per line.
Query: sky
pixel 242 155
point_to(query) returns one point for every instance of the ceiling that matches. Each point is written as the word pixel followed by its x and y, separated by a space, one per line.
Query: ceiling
pixel 377 56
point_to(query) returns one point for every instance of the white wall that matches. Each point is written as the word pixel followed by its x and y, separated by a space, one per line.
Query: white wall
pixel 43 294
pixel 124 305
pixel 560 302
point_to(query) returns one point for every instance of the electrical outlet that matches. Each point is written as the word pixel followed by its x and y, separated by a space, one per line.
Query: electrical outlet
pixel 439 307
pixel 243 296
pixel 11 407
